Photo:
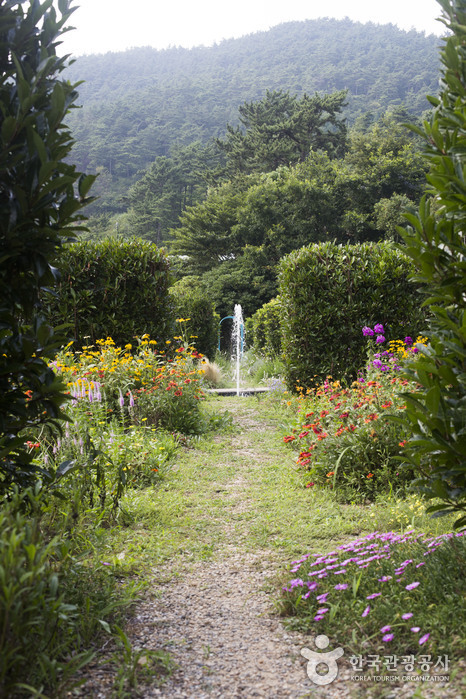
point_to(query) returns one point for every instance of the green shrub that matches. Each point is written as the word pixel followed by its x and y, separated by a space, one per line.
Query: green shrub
pixel 264 329
pixel 113 288
pixel 40 201
pixel 329 292
pixel 436 243
pixel 192 303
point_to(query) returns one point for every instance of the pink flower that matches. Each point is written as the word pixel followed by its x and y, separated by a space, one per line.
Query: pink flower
pixel 411 586
pixel 388 637
pixel 424 638
pixel 366 611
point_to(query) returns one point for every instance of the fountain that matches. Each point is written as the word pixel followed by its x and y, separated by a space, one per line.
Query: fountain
pixel 237 336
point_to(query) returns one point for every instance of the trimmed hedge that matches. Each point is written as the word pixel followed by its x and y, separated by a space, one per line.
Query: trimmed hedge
pixel 191 301
pixel 113 288
pixel 329 292
pixel 264 329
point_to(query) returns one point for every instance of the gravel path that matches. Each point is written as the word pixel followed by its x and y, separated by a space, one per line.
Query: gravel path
pixel 217 623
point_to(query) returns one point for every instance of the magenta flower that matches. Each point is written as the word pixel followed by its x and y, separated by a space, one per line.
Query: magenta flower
pixel 408 340
pixel 411 586
pixel 424 638
pixel 374 595
pixel 385 629
pixel 385 578
pixel 318 617
pixel 366 611
pixel 407 616
pixel 341 586
pixel 378 329
pixel 367 332
pixel 388 637
pixel 323 610
pixel 415 629
pixel 380 339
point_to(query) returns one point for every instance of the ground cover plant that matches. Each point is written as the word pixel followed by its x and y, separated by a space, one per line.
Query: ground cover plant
pixel 379 592
pixel 346 437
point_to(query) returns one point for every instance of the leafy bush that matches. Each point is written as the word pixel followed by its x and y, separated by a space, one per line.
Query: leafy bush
pixel 193 303
pixel 436 412
pixel 40 197
pixel 328 292
pixel 113 288
pixel 264 329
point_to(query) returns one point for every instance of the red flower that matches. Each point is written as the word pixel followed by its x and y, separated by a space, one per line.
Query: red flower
pixel 303 434
pixel 309 485
pixel 289 438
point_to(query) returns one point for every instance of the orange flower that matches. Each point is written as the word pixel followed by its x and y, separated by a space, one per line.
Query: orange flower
pixel 369 475
pixel 330 473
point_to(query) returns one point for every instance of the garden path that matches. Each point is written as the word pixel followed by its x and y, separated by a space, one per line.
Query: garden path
pixel 214 616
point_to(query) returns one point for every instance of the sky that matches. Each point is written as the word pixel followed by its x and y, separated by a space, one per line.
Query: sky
pixel 115 25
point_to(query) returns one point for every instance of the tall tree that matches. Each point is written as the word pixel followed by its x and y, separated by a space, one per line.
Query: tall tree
pixel 282 129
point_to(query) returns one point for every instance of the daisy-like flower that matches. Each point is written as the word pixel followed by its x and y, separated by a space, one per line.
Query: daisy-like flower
pixel 385 578
pixel 388 637
pixel 415 629
pixel 424 638
pixel 374 595
pixel 385 629
pixel 407 616
pixel 341 586
pixel 318 617
pixel 366 611
pixel 412 585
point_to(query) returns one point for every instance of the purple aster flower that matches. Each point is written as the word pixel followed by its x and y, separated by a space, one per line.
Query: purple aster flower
pixel 323 610
pixel 367 332
pixel 424 638
pixel 388 637
pixel 312 586
pixel 378 328
pixel 385 629
pixel 407 616
pixel 380 339
pixel 374 595
pixel 385 578
pixel 415 629
pixel 366 611
pixel 322 598
pixel 411 586
pixel 341 586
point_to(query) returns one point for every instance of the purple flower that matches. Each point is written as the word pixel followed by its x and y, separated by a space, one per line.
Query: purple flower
pixel 424 638
pixel 318 617
pixel 415 629
pixel 131 400
pixel 377 363
pixel 121 400
pixel 408 340
pixel 411 586
pixel 374 595
pixel 378 328
pixel 322 598
pixel 388 637
pixel 385 578
pixel 367 332
pixel 323 610
pixel 407 616
pixel 366 611
pixel 420 564
pixel 341 586
pixel 385 629
pixel 380 339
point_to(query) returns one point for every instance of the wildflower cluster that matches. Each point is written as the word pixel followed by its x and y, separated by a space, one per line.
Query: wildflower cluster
pixel 382 584
pixel 345 435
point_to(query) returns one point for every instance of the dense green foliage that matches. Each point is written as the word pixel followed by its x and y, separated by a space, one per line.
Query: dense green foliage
pixel 139 104
pixel 39 207
pixel 281 130
pixel 329 292
pixel 436 243
pixel 194 305
pixel 113 288
pixel 263 329
pixel 237 235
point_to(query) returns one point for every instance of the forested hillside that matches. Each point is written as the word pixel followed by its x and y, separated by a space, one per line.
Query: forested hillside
pixel 139 104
